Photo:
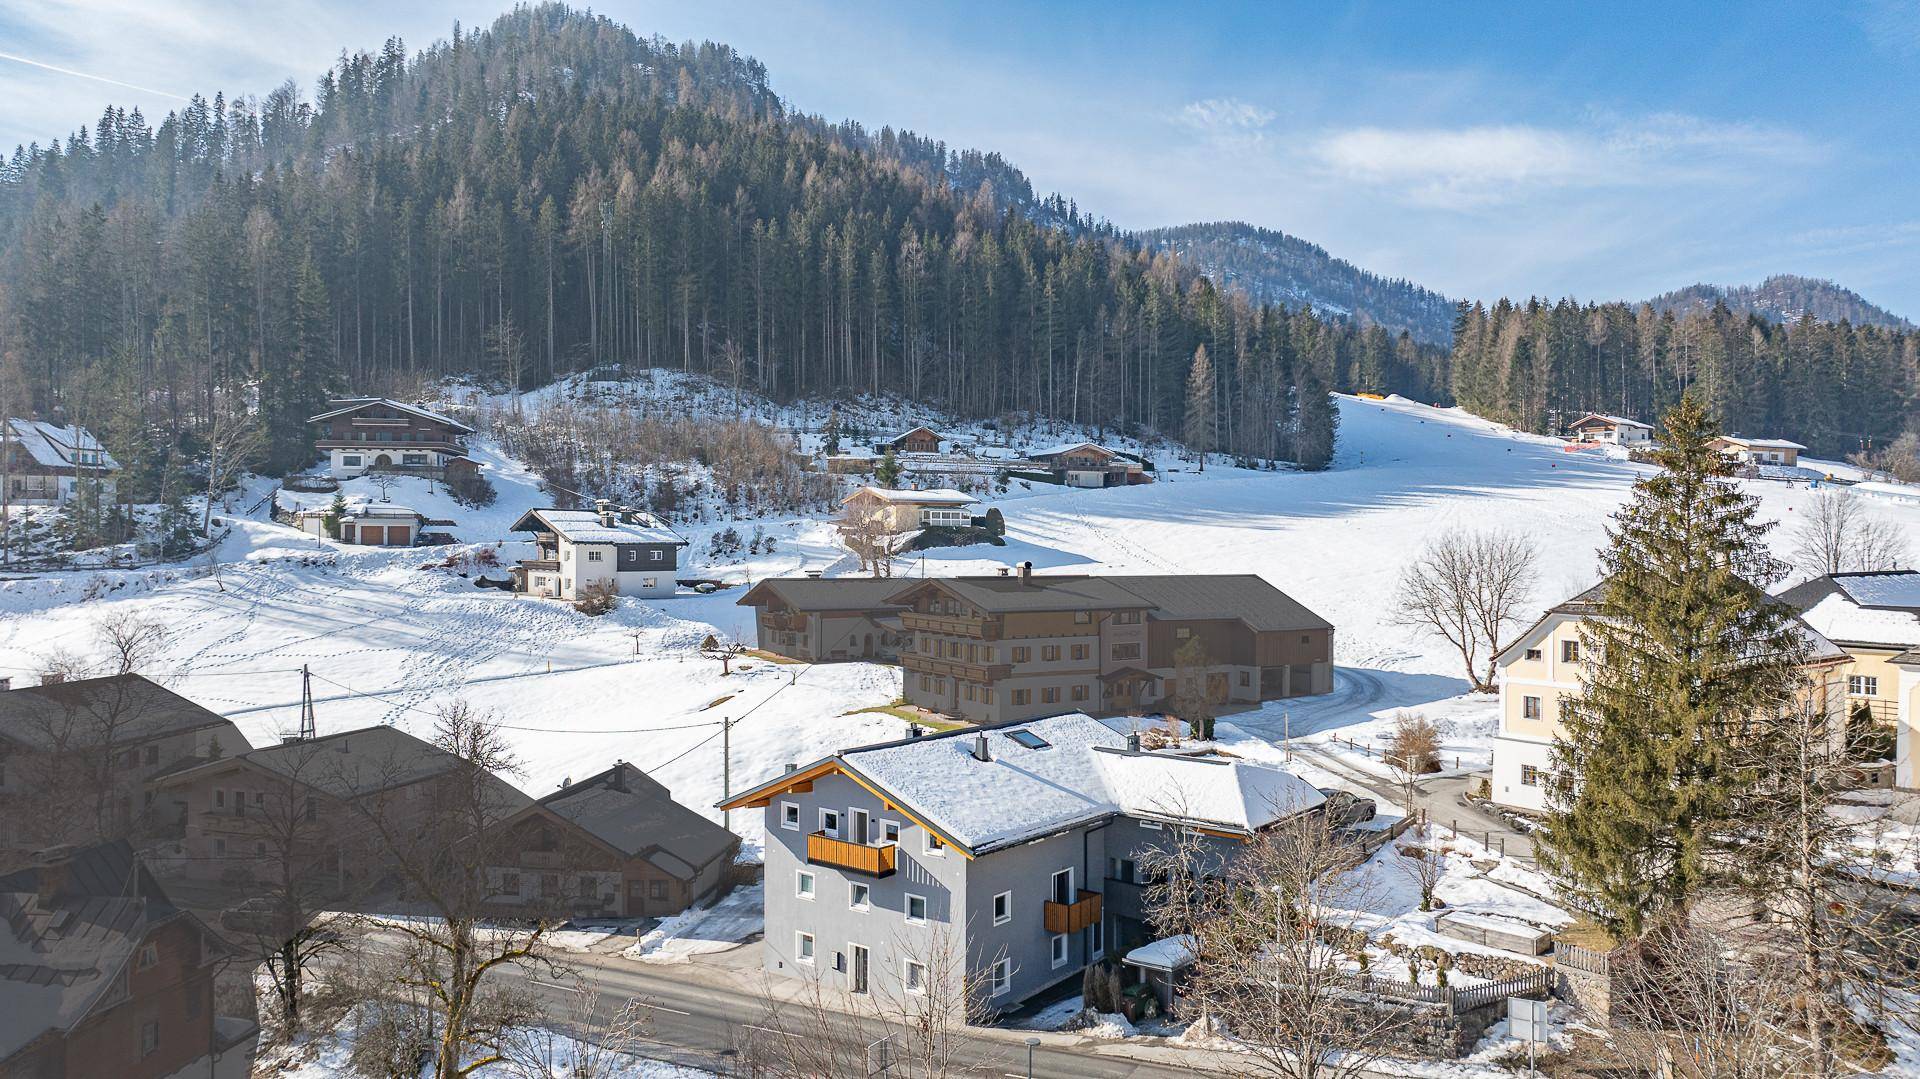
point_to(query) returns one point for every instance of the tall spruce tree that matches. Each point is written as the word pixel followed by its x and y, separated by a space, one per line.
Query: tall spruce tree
pixel 1684 651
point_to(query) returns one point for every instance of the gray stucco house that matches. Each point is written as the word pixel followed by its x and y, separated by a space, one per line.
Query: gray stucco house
pixel 1008 854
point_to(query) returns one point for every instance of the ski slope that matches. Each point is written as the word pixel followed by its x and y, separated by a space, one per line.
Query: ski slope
pixel 389 641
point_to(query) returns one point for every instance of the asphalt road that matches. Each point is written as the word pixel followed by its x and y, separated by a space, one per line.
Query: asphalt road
pixel 704 1025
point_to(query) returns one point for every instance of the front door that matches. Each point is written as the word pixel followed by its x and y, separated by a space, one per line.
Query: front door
pixel 859 972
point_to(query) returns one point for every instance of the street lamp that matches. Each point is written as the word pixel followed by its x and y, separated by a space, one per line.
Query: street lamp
pixel 1032 1044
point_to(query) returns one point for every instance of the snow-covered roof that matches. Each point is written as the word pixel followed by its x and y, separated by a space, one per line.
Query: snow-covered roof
pixel 941 496
pixel 53 445
pixel 1166 954
pixel 1862 608
pixel 1610 421
pixel 587 526
pixel 354 404
pixel 1047 774
pixel 1762 443
pixel 1068 447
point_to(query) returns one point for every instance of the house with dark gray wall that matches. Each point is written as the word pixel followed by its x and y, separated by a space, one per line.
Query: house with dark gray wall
pixel 1008 854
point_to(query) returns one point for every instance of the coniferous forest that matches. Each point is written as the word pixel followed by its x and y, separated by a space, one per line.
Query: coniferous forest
pixel 554 194
pixel 1837 387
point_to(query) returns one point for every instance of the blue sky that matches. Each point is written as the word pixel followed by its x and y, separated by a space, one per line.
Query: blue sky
pixel 1602 151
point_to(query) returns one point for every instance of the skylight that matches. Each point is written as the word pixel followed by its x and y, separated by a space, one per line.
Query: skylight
pixel 1028 739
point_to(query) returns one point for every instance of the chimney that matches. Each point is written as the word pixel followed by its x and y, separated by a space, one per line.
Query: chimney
pixel 980 752
pixel 54 868
pixel 1026 572
pixel 52 678
pixel 1133 742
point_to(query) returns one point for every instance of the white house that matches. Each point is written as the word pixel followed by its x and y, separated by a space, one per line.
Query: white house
pixel 904 511
pixel 46 460
pixel 631 551
pixel 1759 451
pixel 1611 430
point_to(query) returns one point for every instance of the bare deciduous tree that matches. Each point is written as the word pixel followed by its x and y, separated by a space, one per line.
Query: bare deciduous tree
pixel 1469 588
pixel 1272 929
pixel 871 539
pixel 1837 535
pixel 446 849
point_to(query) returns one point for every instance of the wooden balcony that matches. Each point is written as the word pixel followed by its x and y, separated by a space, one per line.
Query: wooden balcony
pixel 873 860
pixel 948 625
pixel 1072 917
pixel 971 672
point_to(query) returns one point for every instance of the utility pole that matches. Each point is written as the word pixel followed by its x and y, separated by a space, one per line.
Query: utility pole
pixel 726 770
pixel 307 733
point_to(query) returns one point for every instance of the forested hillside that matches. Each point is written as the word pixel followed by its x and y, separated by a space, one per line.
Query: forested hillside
pixel 1834 386
pixel 554 193
pixel 1273 267
pixel 1784 298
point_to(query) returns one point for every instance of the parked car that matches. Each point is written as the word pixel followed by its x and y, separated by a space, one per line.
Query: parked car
pixel 1344 809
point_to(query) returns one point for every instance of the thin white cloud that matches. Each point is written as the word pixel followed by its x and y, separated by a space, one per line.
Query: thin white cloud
pixel 1466 167
pixel 1225 115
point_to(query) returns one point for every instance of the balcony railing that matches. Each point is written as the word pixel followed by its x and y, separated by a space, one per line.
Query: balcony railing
pixel 984 629
pixel 874 860
pixel 971 672
pixel 1072 917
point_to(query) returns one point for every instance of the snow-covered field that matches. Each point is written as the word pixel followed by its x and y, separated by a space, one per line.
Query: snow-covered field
pixel 388 641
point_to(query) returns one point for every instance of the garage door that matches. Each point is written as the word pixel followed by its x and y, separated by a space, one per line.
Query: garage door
pixel 374 535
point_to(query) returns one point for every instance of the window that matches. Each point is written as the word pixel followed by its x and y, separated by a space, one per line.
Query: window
pixel 1079 692
pixel 1126 651
pixel 1021 653
pixel 149 1038
pixel 593 556
pixel 1530 707
pixel 860 897
pixel 1003 908
pixel 803 947
pixel 1060 950
pixel 1126 618
pixel 1049 652
pixel 803 885
pixel 916 910
pixel 1049 694
pixel 149 956
pixel 1529 776
pixel 1079 651
pixel 1863 685
pixel 935 845
pixel 1022 696
pixel 830 822
pixel 1569 651
pixel 1028 739
pixel 1533 654
pixel 790 816
pixel 916 977
pixel 1001 977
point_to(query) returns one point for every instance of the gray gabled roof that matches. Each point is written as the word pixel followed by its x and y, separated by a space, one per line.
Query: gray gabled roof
pixel 59 956
pixel 627 810
pixel 127 709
